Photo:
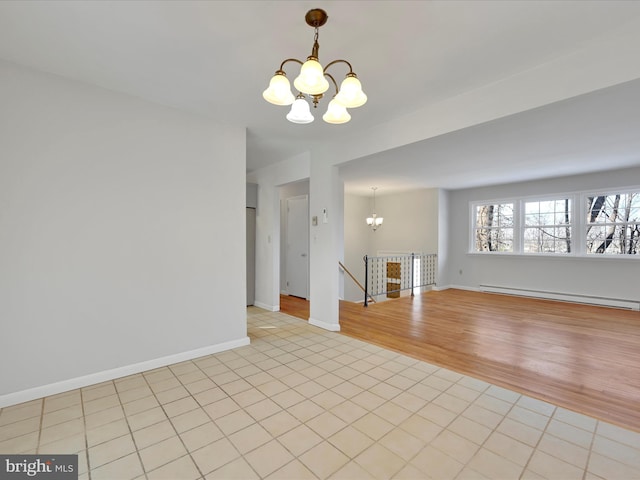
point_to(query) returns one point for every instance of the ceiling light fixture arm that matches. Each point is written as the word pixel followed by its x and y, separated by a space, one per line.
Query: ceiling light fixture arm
pixel 281 69
pixel 340 61
pixel 335 84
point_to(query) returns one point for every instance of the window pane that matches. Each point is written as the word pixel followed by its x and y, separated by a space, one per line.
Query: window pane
pixel 546 207
pixel 595 236
pixel 500 215
pixel 547 240
pixel 551 212
pixel 547 226
pixel 502 239
pixel 494 228
pixel 563 244
pixel 632 239
pixel 612 224
pixel 494 240
pixel 595 206
pixel 607 208
pixel 562 218
pixel 532 239
pixel 547 218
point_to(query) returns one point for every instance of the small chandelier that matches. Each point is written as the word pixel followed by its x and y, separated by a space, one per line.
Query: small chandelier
pixel 374 221
pixel 311 82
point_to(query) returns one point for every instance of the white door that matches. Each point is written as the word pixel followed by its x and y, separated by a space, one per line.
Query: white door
pixel 298 246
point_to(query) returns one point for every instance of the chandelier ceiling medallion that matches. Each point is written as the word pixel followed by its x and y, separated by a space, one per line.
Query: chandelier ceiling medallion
pixel 311 82
pixel 374 221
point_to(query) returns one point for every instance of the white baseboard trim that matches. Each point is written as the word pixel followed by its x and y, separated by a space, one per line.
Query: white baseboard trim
pixel 455 287
pixel 332 327
pixel 106 375
pixel 564 297
pixel 264 306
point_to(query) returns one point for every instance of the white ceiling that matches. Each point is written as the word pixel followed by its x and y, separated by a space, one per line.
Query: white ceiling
pixel 590 133
pixel 216 57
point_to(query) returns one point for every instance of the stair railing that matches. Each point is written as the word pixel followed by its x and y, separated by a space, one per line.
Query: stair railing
pixel 355 280
pixel 393 274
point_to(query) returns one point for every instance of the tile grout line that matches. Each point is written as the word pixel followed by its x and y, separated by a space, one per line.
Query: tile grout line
pixel 126 417
pixel 86 437
pixel 214 422
pixel 488 436
pixel 343 381
pixel 535 448
pixel 590 451
pixel 162 407
pixel 40 426
pixel 296 457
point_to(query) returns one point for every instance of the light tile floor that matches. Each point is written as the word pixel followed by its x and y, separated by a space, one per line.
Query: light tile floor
pixel 303 403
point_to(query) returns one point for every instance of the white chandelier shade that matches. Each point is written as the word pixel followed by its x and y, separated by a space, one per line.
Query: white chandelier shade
pixel 279 90
pixel 336 113
pixel 351 94
pixel 311 79
pixel 300 111
pixel 314 81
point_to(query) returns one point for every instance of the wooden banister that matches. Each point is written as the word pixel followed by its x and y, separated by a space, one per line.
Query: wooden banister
pixel 355 280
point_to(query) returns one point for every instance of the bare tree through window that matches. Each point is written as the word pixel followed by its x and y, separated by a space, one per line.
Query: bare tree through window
pixel 547 226
pixel 494 228
pixel 613 224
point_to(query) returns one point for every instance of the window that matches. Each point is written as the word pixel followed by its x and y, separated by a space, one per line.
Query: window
pixel 547 226
pixel 494 228
pixel 576 224
pixel 613 224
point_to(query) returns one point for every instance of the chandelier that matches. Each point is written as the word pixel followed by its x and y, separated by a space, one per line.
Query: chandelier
pixel 374 221
pixel 311 82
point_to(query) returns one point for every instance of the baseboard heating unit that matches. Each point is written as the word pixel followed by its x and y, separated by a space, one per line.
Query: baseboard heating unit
pixel 565 297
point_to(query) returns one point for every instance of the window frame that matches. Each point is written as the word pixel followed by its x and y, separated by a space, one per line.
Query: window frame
pixel 578 223
pixel 548 198
pixel 585 225
pixel 474 207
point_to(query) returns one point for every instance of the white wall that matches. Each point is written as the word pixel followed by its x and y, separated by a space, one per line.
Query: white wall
pixel 358 238
pixel 326 247
pixel 595 276
pixel 410 222
pixel 444 229
pixel 122 233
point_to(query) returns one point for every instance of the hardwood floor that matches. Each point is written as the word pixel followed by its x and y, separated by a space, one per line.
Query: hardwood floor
pixel 580 357
pixel 294 306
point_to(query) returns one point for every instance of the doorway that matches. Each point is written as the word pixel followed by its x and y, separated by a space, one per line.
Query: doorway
pixel 297 246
